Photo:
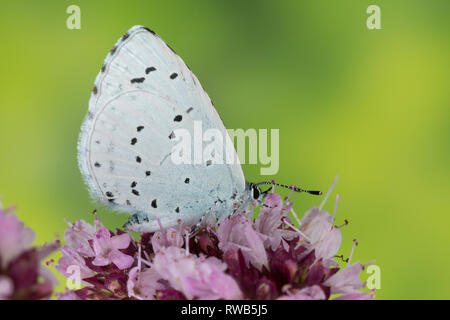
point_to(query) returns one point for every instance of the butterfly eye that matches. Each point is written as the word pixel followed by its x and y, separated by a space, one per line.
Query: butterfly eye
pixel 256 192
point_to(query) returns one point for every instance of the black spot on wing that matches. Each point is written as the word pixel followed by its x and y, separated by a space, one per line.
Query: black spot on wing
pixel 208 163
pixel 138 159
pixel 149 69
pixel 133 184
pixel 95 90
pixel 187 180
pixel 189 110
pixel 178 118
pixel 113 50
pixel 177 210
pixel 125 36
pixel 172 135
pixel 154 204
pixel 147 173
pixel 109 194
pixel 103 68
pixel 135 192
pixel 173 75
pixel 98 165
pixel 139 129
pixel 133 141
pixel 137 80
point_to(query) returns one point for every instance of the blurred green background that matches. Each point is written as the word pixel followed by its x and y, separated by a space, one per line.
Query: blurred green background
pixel 372 106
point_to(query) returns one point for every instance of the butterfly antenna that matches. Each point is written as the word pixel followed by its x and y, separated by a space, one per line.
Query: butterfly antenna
pixel 292 187
pixel 266 192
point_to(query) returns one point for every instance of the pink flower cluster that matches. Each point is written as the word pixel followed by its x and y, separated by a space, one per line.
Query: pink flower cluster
pixel 245 258
pixel 22 276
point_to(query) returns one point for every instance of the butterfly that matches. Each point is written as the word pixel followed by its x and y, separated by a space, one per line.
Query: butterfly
pixel 143 93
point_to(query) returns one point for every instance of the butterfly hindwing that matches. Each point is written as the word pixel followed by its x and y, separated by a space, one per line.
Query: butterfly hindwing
pixel 143 93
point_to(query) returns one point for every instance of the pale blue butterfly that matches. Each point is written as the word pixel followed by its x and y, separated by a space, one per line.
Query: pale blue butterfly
pixel 143 93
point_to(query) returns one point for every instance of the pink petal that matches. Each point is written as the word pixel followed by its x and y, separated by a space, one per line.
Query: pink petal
pixel 346 280
pixel 121 241
pixel 121 260
pixel 308 293
pixel 224 285
pixel 170 238
pixel 72 258
pixel 14 236
pixel 102 241
pixel 101 261
pixel 209 283
pixel 145 282
pixel 237 233
pixel 172 264
pixel 329 245
pixel 78 236
pixel 315 224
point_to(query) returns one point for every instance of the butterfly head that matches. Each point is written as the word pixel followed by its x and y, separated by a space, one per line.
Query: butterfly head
pixel 256 192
